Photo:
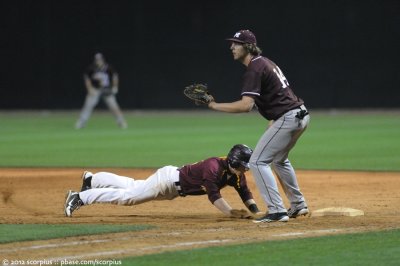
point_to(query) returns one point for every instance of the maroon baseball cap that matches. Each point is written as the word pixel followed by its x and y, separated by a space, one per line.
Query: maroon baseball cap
pixel 243 36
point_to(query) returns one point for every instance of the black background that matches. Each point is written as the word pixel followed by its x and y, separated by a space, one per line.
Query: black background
pixel 335 54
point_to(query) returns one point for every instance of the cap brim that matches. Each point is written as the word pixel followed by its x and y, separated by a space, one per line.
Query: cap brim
pixel 235 40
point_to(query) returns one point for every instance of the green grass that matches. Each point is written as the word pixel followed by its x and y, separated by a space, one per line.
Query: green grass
pixel 26 232
pixel 350 142
pixel 151 141
pixel 333 142
pixel 375 248
pixel 342 141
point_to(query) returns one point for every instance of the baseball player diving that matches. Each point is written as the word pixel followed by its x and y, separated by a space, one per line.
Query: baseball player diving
pixel 265 86
pixel 101 81
pixel 207 177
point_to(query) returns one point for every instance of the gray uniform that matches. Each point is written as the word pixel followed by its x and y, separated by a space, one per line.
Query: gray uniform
pixel 265 82
pixel 101 79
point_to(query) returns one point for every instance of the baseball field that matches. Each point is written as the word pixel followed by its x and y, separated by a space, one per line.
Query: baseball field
pixel 346 159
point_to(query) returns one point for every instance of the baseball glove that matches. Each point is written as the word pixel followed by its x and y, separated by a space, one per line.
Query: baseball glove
pixel 241 214
pixel 198 93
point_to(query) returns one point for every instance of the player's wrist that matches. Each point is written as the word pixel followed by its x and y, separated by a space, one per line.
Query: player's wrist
pixel 254 208
pixel 212 105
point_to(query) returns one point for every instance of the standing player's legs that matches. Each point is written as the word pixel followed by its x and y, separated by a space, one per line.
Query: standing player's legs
pixel 260 165
pixel 91 101
pixel 274 142
pixel 112 104
pixel 285 171
pixel 114 189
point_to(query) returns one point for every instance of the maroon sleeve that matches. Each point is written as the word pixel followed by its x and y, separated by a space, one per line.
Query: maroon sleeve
pixel 251 83
pixel 243 190
pixel 111 71
pixel 88 71
pixel 212 188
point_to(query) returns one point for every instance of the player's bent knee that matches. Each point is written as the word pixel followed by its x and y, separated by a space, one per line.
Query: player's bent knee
pixel 257 163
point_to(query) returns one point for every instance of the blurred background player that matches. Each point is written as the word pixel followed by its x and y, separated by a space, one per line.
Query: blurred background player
pixel 101 81
pixel 206 177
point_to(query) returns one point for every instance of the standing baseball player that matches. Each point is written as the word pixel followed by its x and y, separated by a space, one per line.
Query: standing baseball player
pixel 206 177
pixel 266 87
pixel 101 81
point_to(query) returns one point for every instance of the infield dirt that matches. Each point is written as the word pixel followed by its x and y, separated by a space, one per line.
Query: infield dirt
pixel 37 196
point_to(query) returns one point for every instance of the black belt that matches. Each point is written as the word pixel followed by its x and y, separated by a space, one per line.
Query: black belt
pixel 179 189
pixel 302 113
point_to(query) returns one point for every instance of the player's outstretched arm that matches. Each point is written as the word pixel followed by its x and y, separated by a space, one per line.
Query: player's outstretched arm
pixel 224 207
pixel 242 106
pixel 252 206
pixel 115 83
pixel 88 84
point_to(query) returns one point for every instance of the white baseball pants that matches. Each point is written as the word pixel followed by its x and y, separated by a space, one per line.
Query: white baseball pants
pixel 122 190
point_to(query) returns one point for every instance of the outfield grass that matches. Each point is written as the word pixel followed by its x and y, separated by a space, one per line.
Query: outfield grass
pixel 332 142
pixel 152 140
pixel 350 142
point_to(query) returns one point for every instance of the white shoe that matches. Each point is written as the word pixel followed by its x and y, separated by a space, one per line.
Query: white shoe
pixel 86 180
pixel 273 217
pixel 293 213
pixel 72 203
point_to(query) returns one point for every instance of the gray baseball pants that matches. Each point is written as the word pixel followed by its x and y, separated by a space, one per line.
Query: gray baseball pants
pixel 92 99
pixel 271 153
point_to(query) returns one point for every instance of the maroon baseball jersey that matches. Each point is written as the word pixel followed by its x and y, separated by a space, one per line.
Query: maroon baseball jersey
pixel 209 177
pixel 100 77
pixel 265 82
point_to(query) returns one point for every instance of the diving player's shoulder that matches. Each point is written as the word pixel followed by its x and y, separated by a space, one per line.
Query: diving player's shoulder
pixel 216 164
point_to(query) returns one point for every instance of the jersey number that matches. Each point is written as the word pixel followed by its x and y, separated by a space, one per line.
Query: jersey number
pixel 102 78
pixel 281 77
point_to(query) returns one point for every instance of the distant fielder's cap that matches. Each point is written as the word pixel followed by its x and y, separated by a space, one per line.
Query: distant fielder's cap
pixel 243 36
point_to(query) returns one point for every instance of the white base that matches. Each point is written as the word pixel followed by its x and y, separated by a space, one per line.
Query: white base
pixel 337 211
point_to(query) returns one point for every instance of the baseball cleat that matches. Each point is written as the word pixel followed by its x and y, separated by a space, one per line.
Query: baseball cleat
pixel 273 217
pixel 79 125
pixel 293 213
pixel 72 203
pixel 86 180
pixel 123 125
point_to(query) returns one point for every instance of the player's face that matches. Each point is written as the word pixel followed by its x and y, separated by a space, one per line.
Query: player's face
pixel 242 169
pixel 238 171
pixel 99 62
pixel 238 51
